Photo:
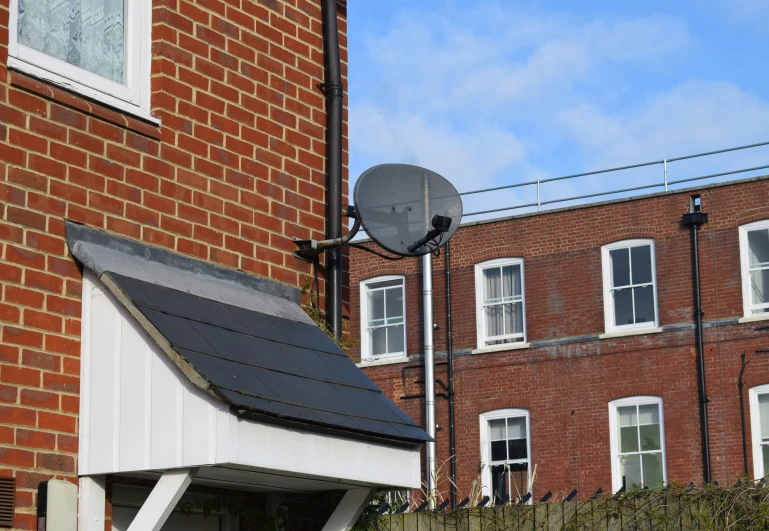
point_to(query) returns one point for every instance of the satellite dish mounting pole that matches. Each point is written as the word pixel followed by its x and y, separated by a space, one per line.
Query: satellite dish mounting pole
pixel 427 287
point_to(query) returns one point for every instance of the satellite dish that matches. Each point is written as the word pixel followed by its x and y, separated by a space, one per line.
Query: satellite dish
pixel 408 210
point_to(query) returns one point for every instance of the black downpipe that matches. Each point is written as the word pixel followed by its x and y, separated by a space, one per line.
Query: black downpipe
pixel 450 356
pixel 334 92
pixel 740 385
pixel 694 220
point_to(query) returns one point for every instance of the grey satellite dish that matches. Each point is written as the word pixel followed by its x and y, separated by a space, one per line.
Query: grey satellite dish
pixel 407 210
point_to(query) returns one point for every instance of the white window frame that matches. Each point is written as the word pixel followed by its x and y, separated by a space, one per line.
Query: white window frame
pixel 608 299
pixel 480 321
pixel 755 430
pixel 616 477
pixel 745 268
pixel 485 445
pixel 365 341
pixel 133 97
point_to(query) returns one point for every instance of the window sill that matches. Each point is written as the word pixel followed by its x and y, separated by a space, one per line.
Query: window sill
pixel 501 348
pixel 385 361
pixel 754 318
pixel 636 332
pixel 141 122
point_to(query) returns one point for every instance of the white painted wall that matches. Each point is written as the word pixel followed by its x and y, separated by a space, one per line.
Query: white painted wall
pixel 138 412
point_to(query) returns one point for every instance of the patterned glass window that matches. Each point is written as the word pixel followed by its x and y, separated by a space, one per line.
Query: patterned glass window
pixel 98 48
pixel 89 34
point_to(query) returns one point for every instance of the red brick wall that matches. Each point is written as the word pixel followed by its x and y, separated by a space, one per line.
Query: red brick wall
pixel 235 169
pixel 567 387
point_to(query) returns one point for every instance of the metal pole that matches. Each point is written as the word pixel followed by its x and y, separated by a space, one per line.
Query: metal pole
pixel 701 355
pixel 694 220
pixel 427 287
pixel 538 201
pixel 665 170
pixel 334 102
pixel 450 356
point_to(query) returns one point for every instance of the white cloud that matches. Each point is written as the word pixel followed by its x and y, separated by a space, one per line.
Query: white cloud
pixel 693 117
pixel 490 95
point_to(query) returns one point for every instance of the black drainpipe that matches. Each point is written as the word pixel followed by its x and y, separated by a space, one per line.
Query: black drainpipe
pixel 450 356
pixel 694 220
pixel 740 385
pixel 334 92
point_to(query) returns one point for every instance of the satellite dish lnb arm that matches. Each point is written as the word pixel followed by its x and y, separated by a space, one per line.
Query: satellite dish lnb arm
pixel 310 249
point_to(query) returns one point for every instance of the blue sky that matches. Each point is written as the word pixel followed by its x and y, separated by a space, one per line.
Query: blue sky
pixel 488 93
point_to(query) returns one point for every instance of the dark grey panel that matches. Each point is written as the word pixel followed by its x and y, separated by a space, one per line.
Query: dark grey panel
pixel 270 366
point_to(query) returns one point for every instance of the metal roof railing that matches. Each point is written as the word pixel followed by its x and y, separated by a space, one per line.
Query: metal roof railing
pixel 664 184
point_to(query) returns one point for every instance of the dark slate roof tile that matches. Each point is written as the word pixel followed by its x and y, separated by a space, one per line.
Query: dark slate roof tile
pixel 270 366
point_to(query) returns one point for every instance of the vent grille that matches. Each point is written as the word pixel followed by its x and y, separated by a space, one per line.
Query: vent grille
pixel 7 501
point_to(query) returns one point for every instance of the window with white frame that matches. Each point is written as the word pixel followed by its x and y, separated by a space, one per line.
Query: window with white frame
pixel 98 48
pixel 506 453
pixel 637 442
pixel 754 257
pixel 383 318
pixel 759 427
pixel 500 302
pixel 630 285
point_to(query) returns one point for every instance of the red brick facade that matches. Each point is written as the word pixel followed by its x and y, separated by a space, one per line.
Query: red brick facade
pixel 235 169
pixel 566 386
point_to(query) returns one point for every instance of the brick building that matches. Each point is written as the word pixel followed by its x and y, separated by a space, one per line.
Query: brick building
pixel 574 342
pixel 193 126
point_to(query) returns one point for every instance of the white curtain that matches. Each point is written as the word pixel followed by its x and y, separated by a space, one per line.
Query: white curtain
pixel 502 285
pixel 88 34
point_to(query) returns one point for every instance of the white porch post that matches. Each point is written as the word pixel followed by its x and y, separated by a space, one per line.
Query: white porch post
pixel 349 509
pixel 162 500
pixel 91 503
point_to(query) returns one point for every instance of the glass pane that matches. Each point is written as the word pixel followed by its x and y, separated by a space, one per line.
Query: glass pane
pixel 652 470
pixel 497 430
pixel 494 324
pixel 628 439
pixel 516 449
pixel 395 339
pixel 650 437
pixel 649 414
pixel 498 450
pixel 492 285
pixel 644 304
pixel 385 283
pixel 763 412
pixel 758 246
pixel 511 281
pixel 627 416
pixel 630 470
pixel 378 341
pixel 641 258
pixel 375 305
pixel 623 307
pixel 516 428
pixel 620 267
pixel 88 34
pixel 765 455
pixel 759 285
pixel 394 302
pixel 498 483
